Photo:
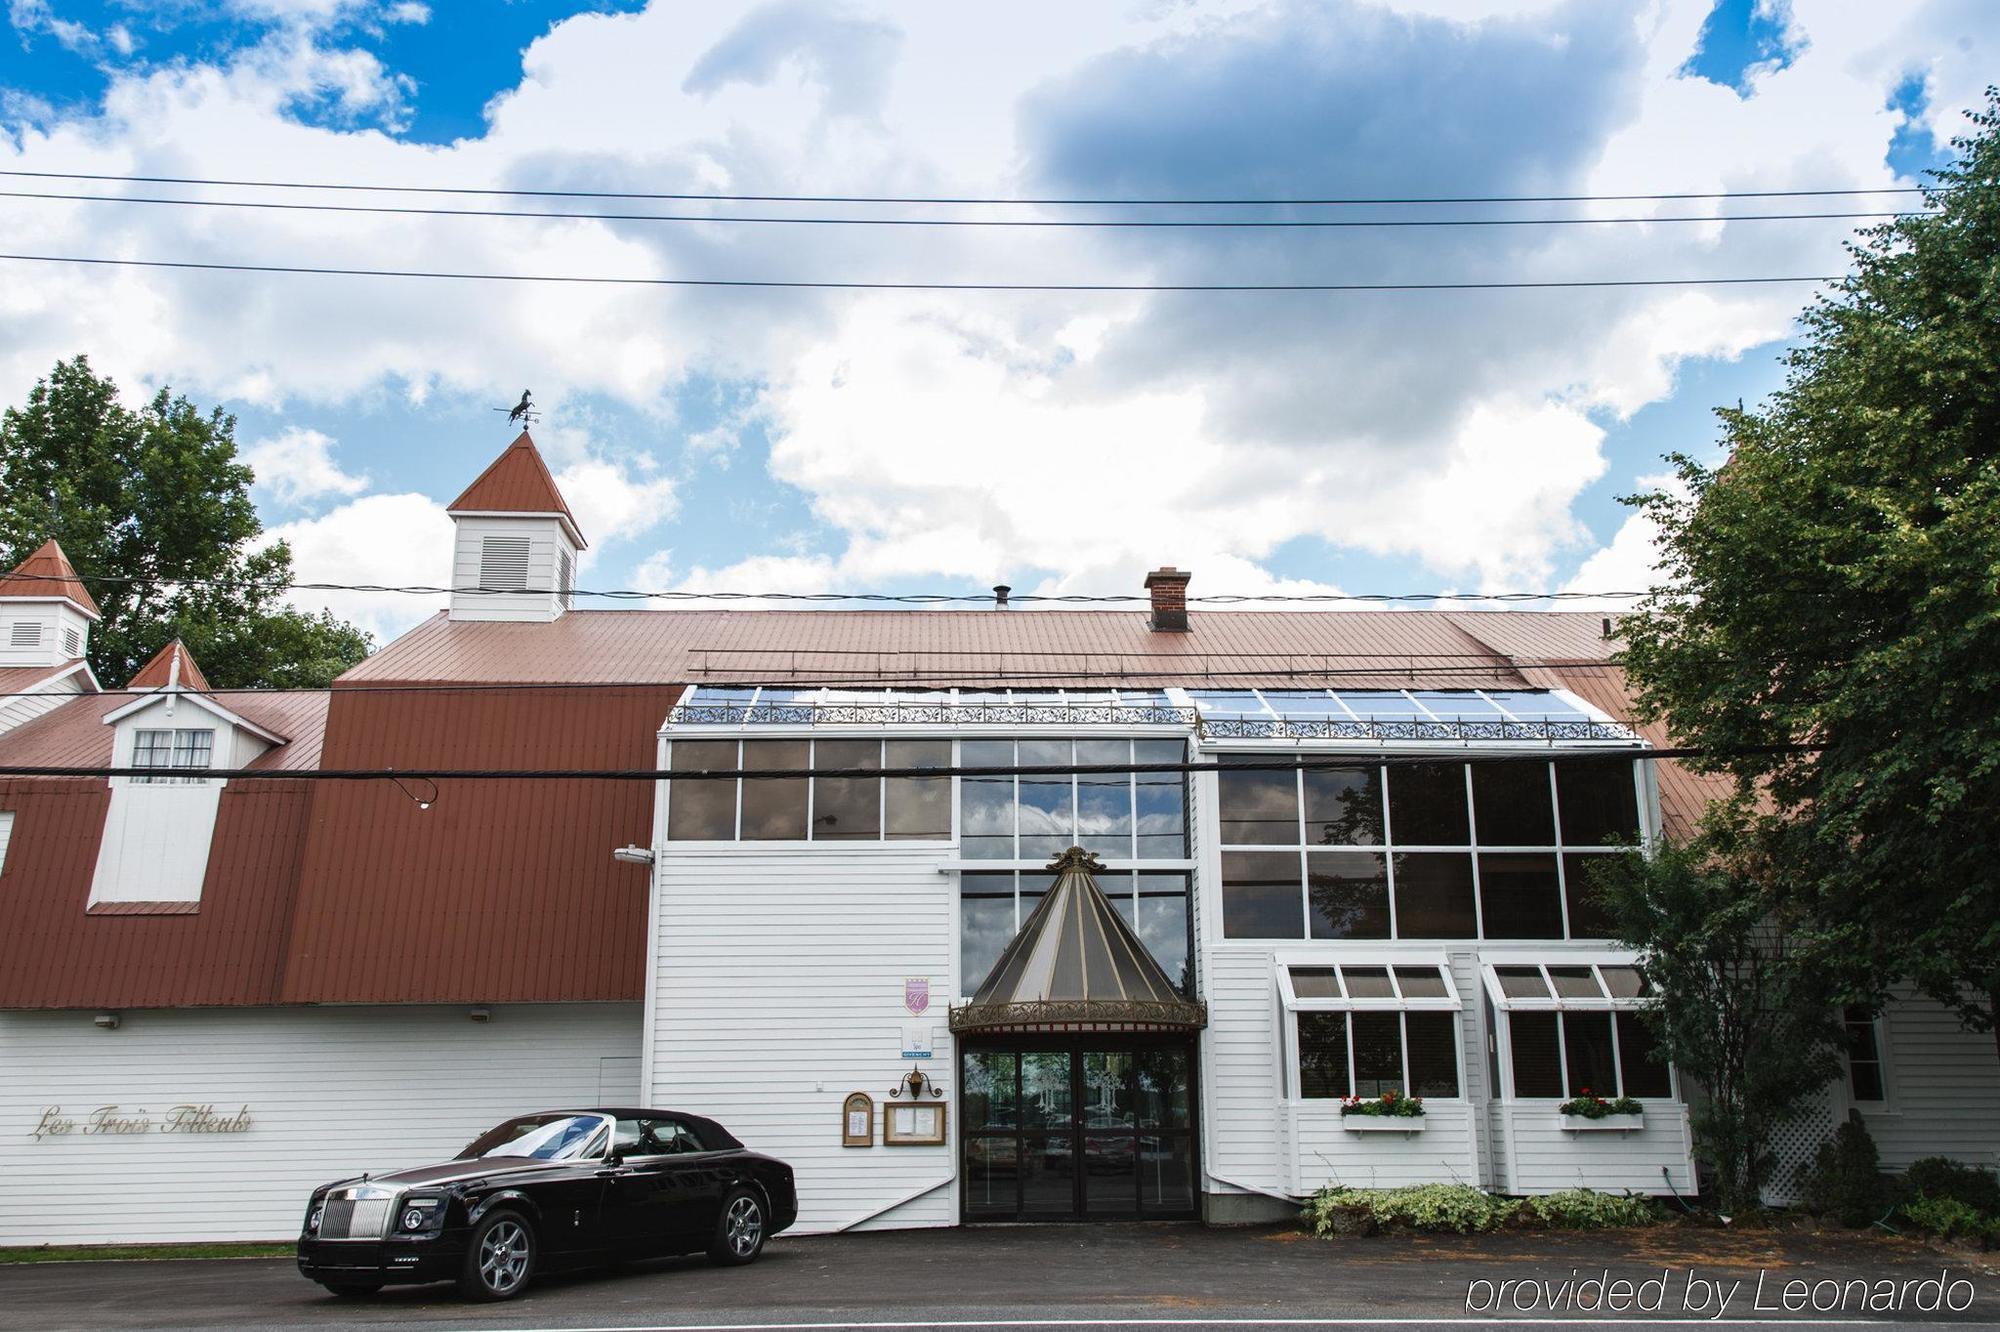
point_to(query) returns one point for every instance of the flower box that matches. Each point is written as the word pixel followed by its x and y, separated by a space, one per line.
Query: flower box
pixel 1382 1123
pixel 1619 1123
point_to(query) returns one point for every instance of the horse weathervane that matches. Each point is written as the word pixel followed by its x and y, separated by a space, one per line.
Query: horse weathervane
pixel 522 413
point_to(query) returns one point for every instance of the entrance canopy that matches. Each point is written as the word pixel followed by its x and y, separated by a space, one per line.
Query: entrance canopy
pixel 1076 966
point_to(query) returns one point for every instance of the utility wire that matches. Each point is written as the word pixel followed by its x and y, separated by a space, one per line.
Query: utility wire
pixel 1239 763
pixel 899 598
pixel 1084 223
pixel 816 285
pixel 1130 202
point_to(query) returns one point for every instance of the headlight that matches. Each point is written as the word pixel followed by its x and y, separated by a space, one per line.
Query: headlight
pixel 413 1220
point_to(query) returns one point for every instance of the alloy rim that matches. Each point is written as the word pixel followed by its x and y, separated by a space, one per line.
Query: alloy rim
pixel 503 1256
pixel 746 1226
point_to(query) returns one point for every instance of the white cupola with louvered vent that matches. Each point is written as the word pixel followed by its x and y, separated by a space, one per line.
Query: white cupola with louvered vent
pixel 517 543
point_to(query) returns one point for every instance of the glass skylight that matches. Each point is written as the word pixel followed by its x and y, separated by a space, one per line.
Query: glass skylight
pixel 707 705
pixel 1400 714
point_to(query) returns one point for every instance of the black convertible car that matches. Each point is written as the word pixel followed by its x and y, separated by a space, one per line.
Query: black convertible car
pixel 564 1188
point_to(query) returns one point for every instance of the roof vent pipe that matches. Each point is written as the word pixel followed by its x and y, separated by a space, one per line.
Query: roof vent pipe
pixel 1168 587
pixel 1000 591
pixel 1604 626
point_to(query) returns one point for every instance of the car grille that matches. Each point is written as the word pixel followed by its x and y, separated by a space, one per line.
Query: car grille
pixel 355 1218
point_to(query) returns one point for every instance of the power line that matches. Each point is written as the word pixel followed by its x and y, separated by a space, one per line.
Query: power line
pixel 1248 763
pixel 816 285
pixel 1130 202
pixel 1069 223
pixel 898 598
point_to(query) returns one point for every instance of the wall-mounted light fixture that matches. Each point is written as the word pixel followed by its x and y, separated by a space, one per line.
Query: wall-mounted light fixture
pixel 632 855
pixel 917 1084
pixel 106 1021
pixel 480 1013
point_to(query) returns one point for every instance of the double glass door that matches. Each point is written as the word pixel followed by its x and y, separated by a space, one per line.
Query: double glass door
pixel 1078 1130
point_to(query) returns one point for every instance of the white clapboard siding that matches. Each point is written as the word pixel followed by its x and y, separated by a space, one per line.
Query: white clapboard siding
pixel 1542 1156
pixel 330 1091
pixel 1440 1152
pixel 1241 1093
pixel 1943 1088
pixel 547 547
pixel 155 842
pixel 778 989
pixel 27 706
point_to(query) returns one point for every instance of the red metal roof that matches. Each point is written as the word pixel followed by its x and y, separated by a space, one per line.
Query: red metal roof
pixel 74 735
pixel 518 481
pixel 1364 649
pixel 21 679
pixel 171 665
pixel 48 573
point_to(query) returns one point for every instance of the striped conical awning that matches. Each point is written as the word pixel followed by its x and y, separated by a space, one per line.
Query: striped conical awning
pixel 1077 966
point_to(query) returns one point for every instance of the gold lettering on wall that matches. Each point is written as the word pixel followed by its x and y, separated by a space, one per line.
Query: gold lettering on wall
pixel 116 1120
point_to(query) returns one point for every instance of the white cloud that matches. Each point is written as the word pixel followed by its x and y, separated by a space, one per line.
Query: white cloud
pixel 383 540
pixel 1631 560
pixel 297 465
pixel 613 501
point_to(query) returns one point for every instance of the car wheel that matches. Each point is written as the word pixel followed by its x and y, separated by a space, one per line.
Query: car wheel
pixel 739 1230
pixel 499 1258
pixel 352 1288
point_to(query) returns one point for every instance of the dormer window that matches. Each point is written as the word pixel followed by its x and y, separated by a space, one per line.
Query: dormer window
pixel 182 750
pixel 503 563
pixel 26 634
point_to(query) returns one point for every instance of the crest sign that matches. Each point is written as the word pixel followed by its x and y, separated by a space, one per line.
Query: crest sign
pixel 917 994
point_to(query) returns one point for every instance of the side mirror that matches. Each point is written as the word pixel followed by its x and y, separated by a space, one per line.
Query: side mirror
pixel 614 1158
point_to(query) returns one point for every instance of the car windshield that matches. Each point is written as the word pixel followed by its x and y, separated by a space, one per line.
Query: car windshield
pixel 543 1137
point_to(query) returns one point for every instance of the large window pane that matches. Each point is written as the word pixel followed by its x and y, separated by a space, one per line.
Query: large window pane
pixel 1427 805
pixel 985 925
pixel 1421 983
pixel 1260 895
pixel 1510 802
pixel 992 1175
pixel 1163 1088
pixel 1348 893
pixel 1343 806
pixel 1258 808
pixel 1600 801
pixel 1163 925
pixel 986 804
pixel 702 811
pixel 917 808
pixel 1166 1172
pixel 1107 1089
pixel 1367 982
pixel 1048 815
pixel 1639 1056
pixel 1045 1092
pixel 1434 896
pixel 774 809
pixel 847 809
pixel 1378 1053
pixel 1587 1042
pixel 1433 1043
pixel 1537 1056
pixel 1104 800
pixel 1161 801
pixel 1588 916
pixel 1323 1055
pixel 1519 897
pixel 988 1097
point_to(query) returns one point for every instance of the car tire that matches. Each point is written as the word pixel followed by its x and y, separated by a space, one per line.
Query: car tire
pixel 499 1257
pixel 351 1289
pixel 740 1228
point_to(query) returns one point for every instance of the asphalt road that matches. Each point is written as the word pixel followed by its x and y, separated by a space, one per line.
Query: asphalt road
pixel 1100 1278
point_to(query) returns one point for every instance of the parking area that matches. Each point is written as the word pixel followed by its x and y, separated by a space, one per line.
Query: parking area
pixel 1064 1276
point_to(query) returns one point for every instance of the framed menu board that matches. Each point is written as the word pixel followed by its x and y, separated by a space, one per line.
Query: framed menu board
pixel 857 1120
pixel 917 1125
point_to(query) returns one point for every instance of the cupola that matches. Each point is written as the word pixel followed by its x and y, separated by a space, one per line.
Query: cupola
pixel 45 611
pixel 515 552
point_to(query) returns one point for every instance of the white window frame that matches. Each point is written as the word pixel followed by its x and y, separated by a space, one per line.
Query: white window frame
pixel 1293 1004
pixel 1555 1002
pixel 1879 1026
pixel 173 772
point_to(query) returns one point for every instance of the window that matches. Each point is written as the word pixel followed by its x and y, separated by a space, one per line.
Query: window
pixel 1364 1029
pixel 1428 850
pixel 1864 1057
pixel 184 750
pixel 1037 816
pixel 1576 1028
pixel 994 904
pixel 858 805
pixel 503 563
pixel 25 634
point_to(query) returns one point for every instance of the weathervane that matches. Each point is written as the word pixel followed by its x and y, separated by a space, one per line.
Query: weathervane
pixel 523 412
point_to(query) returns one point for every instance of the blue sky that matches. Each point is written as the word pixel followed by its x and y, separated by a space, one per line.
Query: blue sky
pixel 808 441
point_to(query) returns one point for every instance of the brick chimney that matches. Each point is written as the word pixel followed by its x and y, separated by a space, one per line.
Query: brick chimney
pixel 1168 587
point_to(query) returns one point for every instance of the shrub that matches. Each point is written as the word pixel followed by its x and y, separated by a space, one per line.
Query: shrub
pixel 1844 1179
pixel 1587 1209
pixel 1941 1177
pixel 1951 1219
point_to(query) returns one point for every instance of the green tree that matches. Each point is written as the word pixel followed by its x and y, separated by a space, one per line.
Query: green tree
pixel 154 510
pixel 1741 1009
pixel 1835 586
